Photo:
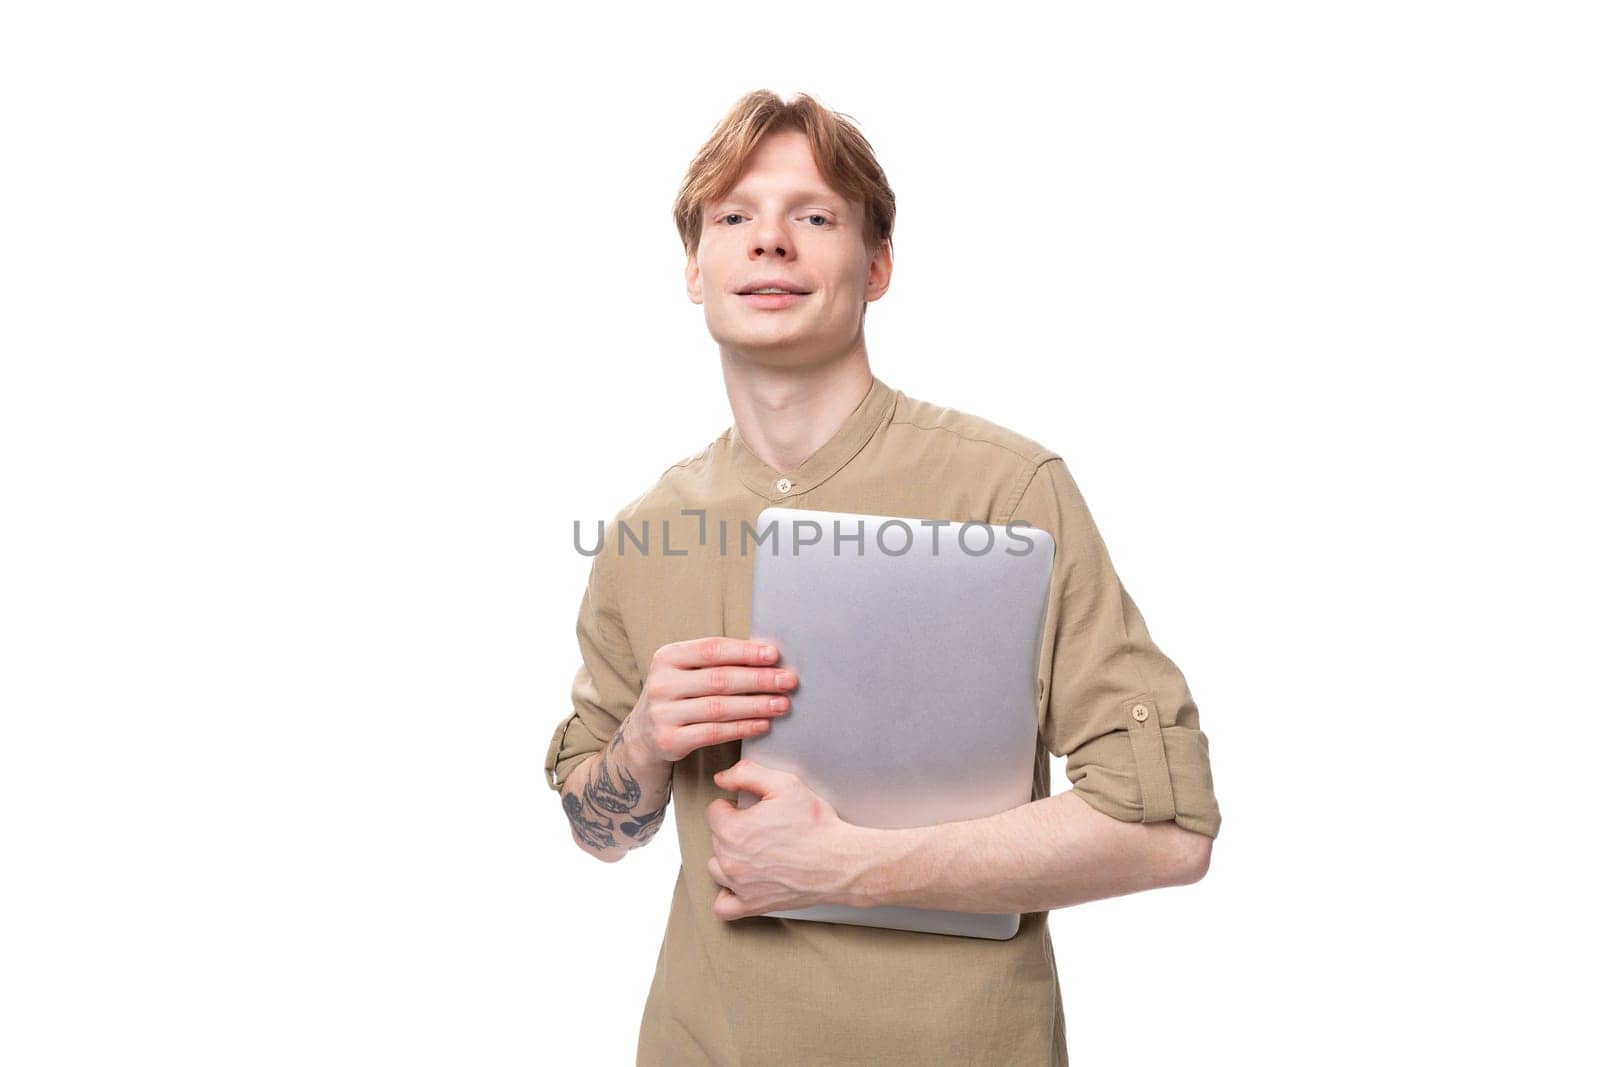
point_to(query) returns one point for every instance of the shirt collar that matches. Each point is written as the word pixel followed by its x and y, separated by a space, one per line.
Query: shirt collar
pixel 826 461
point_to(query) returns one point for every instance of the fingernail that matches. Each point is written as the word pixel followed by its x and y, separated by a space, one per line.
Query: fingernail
pixel 785 677
pixel 768 652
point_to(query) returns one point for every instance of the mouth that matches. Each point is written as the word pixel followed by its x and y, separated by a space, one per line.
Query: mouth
pixel 768 299
pixel 773 290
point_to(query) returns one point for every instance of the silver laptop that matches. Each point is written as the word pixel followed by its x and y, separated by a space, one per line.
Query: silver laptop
pixel 917 646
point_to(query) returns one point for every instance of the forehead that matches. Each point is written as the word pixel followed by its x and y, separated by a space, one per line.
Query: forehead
pixel 813 192
pixel 782 165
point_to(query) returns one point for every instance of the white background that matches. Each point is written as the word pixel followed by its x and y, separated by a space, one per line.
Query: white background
pixel 322 322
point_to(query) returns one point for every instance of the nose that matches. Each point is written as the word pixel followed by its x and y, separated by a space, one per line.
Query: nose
pixel 769 236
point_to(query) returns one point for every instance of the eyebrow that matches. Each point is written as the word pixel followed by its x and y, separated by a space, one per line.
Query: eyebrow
pixel 803 194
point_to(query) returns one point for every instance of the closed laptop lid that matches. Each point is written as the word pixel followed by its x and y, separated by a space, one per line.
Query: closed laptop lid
pixel 916 641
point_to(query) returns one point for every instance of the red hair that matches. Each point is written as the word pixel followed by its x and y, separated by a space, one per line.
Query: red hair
pixel 843 158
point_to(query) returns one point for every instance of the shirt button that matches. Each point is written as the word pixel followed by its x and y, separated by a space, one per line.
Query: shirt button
pixel 1140 712
pixel 784 485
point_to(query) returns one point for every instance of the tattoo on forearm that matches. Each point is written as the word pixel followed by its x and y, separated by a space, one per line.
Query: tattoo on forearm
pixel 646 827
pixel 613 791
pixel 592 831
pixel 603 792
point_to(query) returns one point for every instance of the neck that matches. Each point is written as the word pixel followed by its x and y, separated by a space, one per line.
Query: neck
pixel 784 414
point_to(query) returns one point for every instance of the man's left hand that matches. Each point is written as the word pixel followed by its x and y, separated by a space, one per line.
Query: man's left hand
pixel 788 850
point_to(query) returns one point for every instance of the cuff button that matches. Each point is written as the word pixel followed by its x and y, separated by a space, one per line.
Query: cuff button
pixel 1140 712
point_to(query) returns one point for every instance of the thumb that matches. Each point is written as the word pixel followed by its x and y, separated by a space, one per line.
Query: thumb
pixel 751 777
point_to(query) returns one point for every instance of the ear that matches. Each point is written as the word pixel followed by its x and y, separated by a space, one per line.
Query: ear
pixel 879 268
pixel 691 279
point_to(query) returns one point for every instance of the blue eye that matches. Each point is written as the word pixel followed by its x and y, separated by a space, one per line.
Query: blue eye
pixel 737 215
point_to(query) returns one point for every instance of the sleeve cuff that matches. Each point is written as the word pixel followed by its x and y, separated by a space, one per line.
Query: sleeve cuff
pixel 1147 772
pixel 571 745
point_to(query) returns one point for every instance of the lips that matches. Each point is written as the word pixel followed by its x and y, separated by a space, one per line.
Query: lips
pixel 772 283
pixel 771 301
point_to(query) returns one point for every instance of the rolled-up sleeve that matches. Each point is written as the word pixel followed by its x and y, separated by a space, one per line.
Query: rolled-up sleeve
pixel 606 685
pixel 1111 702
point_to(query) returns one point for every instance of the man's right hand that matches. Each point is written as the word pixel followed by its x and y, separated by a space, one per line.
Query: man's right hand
pixel 706 691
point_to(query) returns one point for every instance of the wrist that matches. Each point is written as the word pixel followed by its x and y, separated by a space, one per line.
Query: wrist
pixel 874 864
pixel 637 752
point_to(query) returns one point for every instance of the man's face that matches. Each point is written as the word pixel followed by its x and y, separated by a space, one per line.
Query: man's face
pixel 783 224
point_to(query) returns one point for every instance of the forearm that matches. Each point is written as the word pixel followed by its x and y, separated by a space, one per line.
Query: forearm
pixel 1050 853
pixel 616 799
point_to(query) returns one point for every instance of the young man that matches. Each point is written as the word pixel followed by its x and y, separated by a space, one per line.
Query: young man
pixel 790 197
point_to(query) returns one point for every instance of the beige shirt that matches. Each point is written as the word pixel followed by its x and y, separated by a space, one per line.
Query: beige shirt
pixel 775 991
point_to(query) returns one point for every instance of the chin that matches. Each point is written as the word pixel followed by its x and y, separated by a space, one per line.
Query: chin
pixel 774 351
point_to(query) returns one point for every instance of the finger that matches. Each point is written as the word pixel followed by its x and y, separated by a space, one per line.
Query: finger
pixel 714 869
pixel 719 708
pixel 752 777
pixel 717 811
pixel 705 734
pixel 727 906
pixel 716 650
pixel 726 681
